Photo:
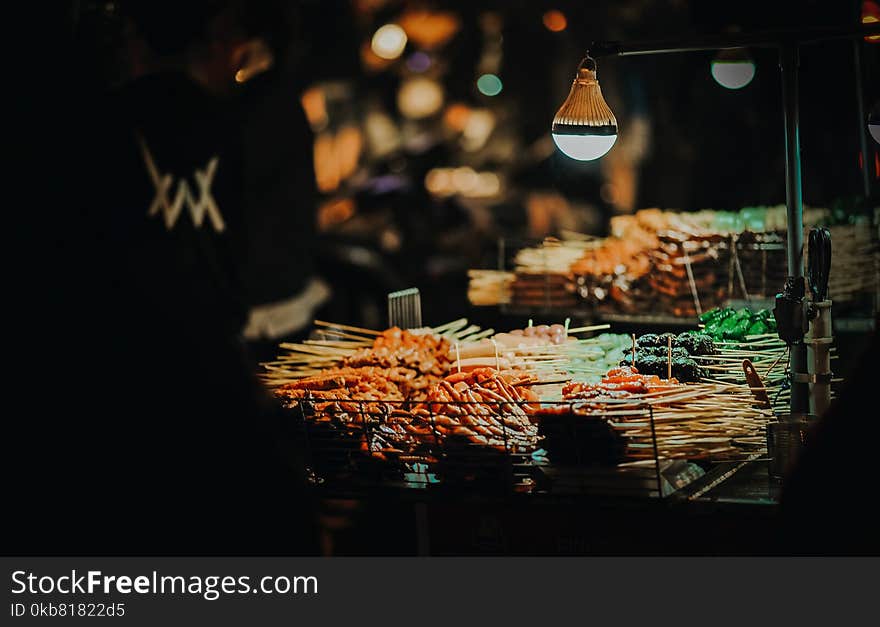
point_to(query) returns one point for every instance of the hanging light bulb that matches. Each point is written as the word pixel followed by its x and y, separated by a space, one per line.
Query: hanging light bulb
pixel 584 127
pixel 874 122
pixel 733 69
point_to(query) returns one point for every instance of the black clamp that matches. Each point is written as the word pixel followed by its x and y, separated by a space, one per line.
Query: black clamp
pixel 790 313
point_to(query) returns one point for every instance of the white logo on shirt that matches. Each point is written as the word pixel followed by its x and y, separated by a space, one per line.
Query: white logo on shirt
pixel 184 196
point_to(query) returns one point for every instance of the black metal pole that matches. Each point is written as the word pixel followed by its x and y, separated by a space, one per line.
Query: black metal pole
pixel 788 62
pixel 860 105
pixel 763 39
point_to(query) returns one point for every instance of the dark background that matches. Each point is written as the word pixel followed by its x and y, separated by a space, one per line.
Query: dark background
pixel 70 438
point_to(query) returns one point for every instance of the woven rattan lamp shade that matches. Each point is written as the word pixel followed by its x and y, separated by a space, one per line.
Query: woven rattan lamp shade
pixel 584 127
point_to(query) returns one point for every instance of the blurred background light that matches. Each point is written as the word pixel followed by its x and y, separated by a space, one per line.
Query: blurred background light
pixel 389 41
pixel 418 62
pixel 314 103
pixel 871 15
pixel 462 181
pixel 477 129
pixel 555 21
pixel 420 97
pixel 429 29
pixel 489 85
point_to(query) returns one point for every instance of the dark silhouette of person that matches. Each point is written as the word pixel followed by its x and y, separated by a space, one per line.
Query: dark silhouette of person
pixel 155 437
pixel 827 502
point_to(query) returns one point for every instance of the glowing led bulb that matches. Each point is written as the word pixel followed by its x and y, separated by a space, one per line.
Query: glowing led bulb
pixel 874 122
pixel 734 74
pixel 874 129
pixel 584 147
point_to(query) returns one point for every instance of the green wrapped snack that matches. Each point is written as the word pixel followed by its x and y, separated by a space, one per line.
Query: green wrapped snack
pixel 728 325
pixel 758 327
pixel 738 332
pixel 736 325
pixel 710 316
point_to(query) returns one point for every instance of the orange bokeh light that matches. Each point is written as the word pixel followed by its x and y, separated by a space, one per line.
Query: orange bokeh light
pixel 456 116
pixel 429 29
pixel 555 21
pixel 871 15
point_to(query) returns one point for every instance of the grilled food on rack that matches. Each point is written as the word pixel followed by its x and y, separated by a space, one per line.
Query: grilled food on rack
pixel 683 367
pixel 515 342
pixel 337 387
pixel 483 406
pixel 692 343
pixel 618 383
pixel 695 421
pixel 424 352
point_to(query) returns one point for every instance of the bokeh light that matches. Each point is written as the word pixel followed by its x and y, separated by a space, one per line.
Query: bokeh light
pixel 418 62
pixel 314 103
pixel 429 29
pixel 389 41
pixel 463 181
pixel 420 97
pixel 871 15
pixel 555 21
pixel 489 85
pixel 456 116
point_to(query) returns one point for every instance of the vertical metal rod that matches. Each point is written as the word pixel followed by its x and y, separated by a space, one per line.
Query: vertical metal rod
pixel 788 61
pixel 863 131
pixel 657 473
pixel 867 162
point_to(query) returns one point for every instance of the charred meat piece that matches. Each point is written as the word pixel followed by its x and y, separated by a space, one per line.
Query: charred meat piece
pixel 656 340
pixel 684 368
pixel 695 343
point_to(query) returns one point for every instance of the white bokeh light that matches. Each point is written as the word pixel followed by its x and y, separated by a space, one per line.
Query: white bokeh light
pixel 420 97
pixel 584 147
pixel 389 41
pixel 733 74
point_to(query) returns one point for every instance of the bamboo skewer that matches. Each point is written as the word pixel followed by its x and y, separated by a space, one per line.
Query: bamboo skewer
pixel 595 327
pixel 324 332
pixel 345 327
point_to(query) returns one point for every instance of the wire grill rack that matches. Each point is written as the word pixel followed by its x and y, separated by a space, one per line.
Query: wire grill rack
pixel 358 445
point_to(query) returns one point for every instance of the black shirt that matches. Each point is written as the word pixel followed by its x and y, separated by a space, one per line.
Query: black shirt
pixel 150 433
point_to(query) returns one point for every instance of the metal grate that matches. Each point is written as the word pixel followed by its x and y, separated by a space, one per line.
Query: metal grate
pixel 405 309
pixel 357 444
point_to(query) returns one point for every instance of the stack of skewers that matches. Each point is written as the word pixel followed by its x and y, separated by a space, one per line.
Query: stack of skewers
pixel 401 391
